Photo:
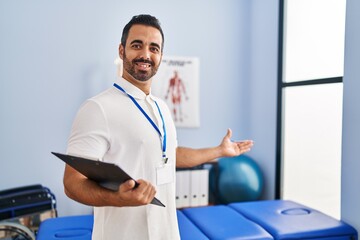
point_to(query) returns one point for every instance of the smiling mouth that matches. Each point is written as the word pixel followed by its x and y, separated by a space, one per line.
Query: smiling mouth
pixel 143 66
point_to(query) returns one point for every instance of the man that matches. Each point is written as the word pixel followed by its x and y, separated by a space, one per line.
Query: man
pixel 128 126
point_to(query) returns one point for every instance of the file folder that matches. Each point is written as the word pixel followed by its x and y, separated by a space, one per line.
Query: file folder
pixel 183 188
pixel 107 175
pixel 195 181
pixel 178 200
pixel 204 187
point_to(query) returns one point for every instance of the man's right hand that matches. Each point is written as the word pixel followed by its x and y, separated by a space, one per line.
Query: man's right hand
pixel 83 190
pixel 142 194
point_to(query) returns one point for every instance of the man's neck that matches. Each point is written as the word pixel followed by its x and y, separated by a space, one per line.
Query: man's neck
pixel 144 86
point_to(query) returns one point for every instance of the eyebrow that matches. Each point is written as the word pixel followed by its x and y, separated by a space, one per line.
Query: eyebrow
pixel 136 41
pixel 155 45
pixel 141 42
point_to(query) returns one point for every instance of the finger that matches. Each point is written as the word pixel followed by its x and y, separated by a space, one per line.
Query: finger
pixel 244 149
pixel 145 193
pixel 228 134
pixel 127 186
pixel 145 187
pixel 245 143
pixel 249 143
pixel 245 146
pixel 149 194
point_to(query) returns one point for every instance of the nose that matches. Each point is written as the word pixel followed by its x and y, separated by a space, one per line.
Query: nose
pixel 145 53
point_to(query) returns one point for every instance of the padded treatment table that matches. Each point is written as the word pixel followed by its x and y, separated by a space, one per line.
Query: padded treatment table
pixel 188 231
pixel 80 228
pixel 276 219
pixel 222 222
pixel 289 220
pixel 66 228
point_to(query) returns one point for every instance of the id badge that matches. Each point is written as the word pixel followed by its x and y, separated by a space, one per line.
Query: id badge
pixel 164 174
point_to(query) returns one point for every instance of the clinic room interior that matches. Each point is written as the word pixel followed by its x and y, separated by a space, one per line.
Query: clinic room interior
pixel 283 73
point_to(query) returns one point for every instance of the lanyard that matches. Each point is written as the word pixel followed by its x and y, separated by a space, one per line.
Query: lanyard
pixel 150 120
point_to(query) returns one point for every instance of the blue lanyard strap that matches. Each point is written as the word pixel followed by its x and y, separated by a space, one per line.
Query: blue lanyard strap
pixel 164 129
pixel 149 119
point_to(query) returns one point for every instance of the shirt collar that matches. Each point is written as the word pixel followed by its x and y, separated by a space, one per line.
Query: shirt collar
pixel 133 90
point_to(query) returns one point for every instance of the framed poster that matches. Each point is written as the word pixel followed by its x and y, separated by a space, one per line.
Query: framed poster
pixel 177 83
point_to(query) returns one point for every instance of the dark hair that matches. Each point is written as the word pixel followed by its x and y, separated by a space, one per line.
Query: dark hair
pixel 143 19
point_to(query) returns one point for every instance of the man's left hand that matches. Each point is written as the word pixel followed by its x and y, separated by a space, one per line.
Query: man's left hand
pixel 232 148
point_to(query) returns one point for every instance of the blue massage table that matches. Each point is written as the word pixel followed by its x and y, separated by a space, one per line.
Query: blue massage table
pixel 290 220
pixel 272 219
pixel 223 222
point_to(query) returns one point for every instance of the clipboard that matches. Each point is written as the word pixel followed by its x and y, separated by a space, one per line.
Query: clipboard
pixel 107 175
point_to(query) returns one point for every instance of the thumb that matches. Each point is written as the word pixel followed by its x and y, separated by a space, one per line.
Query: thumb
pixel 228 134
pixel 128 185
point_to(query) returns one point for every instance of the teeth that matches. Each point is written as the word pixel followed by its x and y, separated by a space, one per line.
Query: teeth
pixel 144 65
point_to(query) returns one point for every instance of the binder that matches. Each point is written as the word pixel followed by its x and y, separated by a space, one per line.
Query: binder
pixel 199 189
pixel 204 187
pixel 195 182
pixel 183 188
pixel 107 175
pixel 177 192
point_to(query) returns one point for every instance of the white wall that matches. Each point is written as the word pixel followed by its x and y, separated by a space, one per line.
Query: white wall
pixel 350 195
pixel 55 54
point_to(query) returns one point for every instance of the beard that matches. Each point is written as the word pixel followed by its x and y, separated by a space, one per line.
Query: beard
pixel 143 76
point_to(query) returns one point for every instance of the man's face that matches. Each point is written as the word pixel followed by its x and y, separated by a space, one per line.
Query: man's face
pixel 142 54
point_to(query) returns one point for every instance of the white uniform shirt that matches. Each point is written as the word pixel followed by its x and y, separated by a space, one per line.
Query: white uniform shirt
pixel 111 128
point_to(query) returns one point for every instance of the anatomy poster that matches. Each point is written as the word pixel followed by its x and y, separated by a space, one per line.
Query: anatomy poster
pixel 177 83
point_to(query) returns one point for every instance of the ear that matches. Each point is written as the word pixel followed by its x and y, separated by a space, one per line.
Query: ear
pixel 121 51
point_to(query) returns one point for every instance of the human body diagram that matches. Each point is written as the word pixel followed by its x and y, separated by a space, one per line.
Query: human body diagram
pixel 176 92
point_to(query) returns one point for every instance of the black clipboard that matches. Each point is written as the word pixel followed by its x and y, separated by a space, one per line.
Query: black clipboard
pixel 107 175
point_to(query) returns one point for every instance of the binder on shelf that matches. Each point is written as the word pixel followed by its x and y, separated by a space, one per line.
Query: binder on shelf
pixel 192 187
pixel 178 191
pixel 204 187
pixel 199 187
pixel 183 188
pixel 195 188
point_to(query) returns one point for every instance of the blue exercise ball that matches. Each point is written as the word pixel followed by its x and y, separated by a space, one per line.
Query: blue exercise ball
pixel 237 179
